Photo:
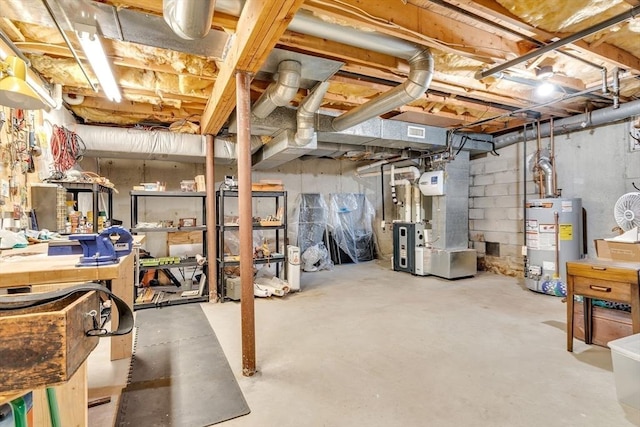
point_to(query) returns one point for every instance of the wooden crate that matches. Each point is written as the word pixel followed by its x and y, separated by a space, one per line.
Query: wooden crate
pixel 608 324
pixel 45 345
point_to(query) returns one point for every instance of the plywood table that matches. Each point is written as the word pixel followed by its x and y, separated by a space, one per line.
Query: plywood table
pixel 606 280
pixel 40 269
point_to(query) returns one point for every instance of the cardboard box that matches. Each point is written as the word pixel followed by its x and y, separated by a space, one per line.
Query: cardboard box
pixel 618 251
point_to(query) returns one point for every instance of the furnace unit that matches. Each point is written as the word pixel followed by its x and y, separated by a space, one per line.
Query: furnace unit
pixel 407 236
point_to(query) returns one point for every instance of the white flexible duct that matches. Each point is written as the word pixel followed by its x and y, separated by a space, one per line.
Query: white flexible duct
pixel 123 143
pixel 189 19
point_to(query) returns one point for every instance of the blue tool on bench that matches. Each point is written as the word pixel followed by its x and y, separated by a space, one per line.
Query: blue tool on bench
pixel 104 248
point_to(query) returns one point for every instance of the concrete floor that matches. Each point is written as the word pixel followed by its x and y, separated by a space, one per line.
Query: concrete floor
pixel 363 345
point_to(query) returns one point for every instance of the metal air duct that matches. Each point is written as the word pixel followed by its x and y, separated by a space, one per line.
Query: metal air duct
pixel 306 113
pixel 600 117
pixel 419 58
pixel 420 75
pixel 190 20
pixel 280 92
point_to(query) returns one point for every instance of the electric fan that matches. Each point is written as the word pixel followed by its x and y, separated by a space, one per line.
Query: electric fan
pixel 627 211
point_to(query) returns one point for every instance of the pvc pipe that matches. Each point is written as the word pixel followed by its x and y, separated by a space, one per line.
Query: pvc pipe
pixel 407 200
pixel 417 202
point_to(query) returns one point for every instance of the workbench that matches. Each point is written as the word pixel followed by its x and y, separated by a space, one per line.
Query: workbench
pixel 32 266
pixel 18 269
pixel 605 280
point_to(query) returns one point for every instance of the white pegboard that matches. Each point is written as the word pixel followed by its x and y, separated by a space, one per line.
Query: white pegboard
pixel 634 134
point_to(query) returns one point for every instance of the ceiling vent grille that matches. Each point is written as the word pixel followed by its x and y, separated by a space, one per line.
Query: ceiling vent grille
pixel 416 132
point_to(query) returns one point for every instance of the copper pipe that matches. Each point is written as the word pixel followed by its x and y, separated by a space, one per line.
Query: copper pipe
pixel 243 111
pixel 552 155
pixel 210 210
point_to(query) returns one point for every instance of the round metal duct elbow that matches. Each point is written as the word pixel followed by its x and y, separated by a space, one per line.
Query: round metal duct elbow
pixel 420 75
pixel 190 20
pixel 280 92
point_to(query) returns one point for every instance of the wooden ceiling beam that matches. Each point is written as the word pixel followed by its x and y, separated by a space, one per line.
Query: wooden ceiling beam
pixel 128 107
pixel 598 53
pixel 185 100
pixel 419 25
pixel 260 26
pixel 11 30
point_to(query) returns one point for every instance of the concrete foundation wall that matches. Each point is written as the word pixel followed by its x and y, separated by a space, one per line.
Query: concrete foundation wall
pixel 300 176
pixel 596 165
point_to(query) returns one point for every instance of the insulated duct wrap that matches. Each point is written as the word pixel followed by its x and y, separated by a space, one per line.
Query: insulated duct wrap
pixel 122 143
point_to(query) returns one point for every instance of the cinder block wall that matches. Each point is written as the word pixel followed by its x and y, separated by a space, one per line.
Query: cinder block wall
pixel 595 165
pixel 495 210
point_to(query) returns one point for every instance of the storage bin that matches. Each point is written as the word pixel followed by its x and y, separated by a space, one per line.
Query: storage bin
pixel 625 353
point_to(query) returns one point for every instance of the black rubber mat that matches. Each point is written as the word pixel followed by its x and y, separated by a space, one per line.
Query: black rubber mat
pixel 179 373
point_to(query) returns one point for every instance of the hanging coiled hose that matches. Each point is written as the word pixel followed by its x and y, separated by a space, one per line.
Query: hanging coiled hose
pixel 66 148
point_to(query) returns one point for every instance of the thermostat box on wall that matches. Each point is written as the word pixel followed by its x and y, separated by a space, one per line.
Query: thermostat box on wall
pixel 432 183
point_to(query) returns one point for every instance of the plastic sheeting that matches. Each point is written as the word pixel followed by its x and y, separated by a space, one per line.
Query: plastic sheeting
pixel 308 229
pixel 351 225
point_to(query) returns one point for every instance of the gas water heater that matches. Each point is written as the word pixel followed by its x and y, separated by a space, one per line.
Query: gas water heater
pixel 554 235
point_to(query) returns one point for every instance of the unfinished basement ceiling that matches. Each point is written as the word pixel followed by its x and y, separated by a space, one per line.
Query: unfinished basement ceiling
pixel 163 86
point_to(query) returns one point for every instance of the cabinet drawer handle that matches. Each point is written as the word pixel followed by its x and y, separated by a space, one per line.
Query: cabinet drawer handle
pixel 600 288
pixel 593 267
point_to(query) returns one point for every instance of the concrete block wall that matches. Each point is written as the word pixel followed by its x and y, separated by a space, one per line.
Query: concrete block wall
pixel 495 210
pixel 596 165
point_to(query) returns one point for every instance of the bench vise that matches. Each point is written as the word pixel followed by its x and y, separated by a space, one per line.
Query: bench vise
pixel 104 248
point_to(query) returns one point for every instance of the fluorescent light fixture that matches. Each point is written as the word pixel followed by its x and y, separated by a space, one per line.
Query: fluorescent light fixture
pixel 94 53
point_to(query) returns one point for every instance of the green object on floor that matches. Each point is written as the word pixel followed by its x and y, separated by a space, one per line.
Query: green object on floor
pixel 54 411
pixel 19 412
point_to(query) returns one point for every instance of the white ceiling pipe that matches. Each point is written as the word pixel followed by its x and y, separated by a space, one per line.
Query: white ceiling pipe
pixel 189 19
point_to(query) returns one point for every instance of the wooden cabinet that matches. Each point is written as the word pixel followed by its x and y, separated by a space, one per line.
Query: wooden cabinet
pixel 606 280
